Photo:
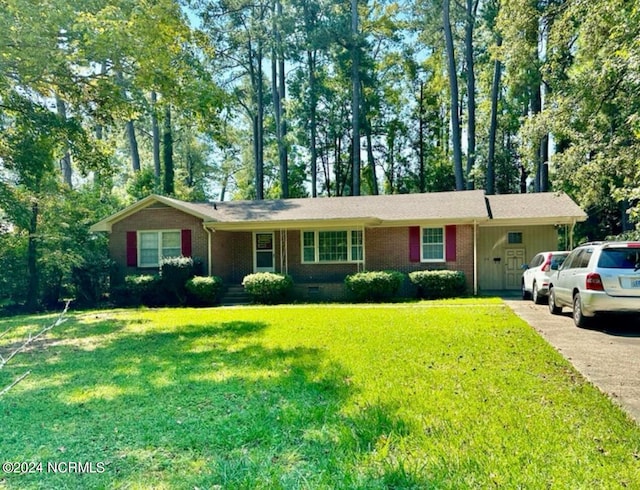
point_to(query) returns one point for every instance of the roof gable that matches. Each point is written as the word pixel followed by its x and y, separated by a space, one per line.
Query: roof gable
pixel 553 207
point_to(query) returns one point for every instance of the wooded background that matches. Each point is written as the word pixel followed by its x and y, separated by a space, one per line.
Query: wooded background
pixel 103 102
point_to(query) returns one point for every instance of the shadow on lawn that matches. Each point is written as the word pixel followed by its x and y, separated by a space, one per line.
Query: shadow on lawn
pixel 200 405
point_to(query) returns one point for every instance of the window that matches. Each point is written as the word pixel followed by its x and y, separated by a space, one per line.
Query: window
pixel 433 244
pixel 157 245
pixel 514 237
pixel 332 246
pixel 537 261
pixel 619 258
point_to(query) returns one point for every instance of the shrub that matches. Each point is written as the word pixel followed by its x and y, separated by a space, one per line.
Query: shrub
pixel 439 284
pixel 175 272
pixel 139 290
pixel 90 279
pixel 204 290
pixel 375 285
pixel 268 287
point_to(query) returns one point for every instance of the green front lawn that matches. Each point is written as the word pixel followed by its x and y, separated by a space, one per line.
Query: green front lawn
pixel 457 394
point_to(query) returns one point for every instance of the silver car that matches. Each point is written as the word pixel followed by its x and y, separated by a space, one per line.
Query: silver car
pixel 535 278
pixel 602 277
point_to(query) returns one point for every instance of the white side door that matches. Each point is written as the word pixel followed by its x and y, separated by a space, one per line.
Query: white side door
pixel 263 251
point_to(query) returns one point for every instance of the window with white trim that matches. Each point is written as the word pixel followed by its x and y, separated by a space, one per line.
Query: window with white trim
pixel 158 245
pixel 320 246
pixel 514 237
pixel 433 244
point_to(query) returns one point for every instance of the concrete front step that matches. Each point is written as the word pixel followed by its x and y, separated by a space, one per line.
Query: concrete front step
pixel 235 296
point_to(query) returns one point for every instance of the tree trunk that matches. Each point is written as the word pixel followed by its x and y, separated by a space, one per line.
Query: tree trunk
pixel 277 110
pixel 278 83
pixel 373 178
pixel 32 260
pixel 169 184
pixel 155 130
pixel 536 108
pixel 259 130
pixel 65 162
pixel 355 101
pixel 493 127
pixel 471 91
pixel 133 146
pixel 453 84
pixel 422 179
pixel 313 124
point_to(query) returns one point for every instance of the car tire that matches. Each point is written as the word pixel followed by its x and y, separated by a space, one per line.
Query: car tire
pixel 525 293
pixel 579 319
pixel 535 295
pixel 553 308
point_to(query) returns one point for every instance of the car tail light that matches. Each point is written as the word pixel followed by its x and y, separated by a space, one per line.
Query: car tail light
pixel 594 282
pixel 633 245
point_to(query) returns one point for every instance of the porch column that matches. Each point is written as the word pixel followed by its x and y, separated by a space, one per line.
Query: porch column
pixel 284 251
pixel 475 258
pixel 364 252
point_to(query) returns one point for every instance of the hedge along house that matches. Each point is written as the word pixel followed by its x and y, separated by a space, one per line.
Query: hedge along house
pixel 320 241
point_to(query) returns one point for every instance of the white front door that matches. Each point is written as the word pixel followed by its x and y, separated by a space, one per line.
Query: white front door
pixel 263 251
pixel 513 267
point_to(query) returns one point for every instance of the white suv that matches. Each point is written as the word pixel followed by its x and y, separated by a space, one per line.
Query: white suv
pixel 602 277
pixel 535 278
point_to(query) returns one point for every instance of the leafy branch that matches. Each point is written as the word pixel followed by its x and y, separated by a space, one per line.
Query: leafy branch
pixel 32 338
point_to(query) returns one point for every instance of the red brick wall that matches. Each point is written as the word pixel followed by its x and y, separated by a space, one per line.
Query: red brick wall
pixel 157 218
pixel 232 252
pixel 232 255
pixel 388 249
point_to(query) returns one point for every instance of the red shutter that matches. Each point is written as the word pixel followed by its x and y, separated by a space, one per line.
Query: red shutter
pixel 414 244
pixel 186 243
pixel 132 249
pixel 450 240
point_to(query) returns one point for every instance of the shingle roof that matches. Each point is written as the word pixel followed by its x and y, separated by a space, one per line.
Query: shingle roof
pixel 541 205
pixel 395 208
pixel 459 207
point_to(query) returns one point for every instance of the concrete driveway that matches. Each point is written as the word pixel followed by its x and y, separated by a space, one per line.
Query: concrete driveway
pixel 607 355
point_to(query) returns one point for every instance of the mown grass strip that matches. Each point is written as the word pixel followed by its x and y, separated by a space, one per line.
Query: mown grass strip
pixel 334 396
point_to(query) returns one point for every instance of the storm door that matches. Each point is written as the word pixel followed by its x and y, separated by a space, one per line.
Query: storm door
pixel 263 251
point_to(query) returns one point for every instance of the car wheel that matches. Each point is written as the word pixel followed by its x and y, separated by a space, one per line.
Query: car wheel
pixel 579 319
pixel 553 309
pixel 525 293
pixel 535 295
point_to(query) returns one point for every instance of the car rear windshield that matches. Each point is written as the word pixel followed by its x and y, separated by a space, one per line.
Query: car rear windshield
pixel 558 259
pixel 619 258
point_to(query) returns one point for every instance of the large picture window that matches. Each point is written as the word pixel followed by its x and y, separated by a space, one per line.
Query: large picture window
pixel 433 244
pixel 157 245
pixel 332 246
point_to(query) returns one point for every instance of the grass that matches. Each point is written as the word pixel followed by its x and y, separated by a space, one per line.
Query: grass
pixel 458 394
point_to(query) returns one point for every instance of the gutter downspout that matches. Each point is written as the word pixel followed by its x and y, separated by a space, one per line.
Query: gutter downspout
pixel 475 258
pixel 209 253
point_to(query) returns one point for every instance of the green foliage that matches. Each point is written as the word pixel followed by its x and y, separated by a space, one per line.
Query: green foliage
pixel 138 290
pixel 204 290
pixel 13 280
pixel 268 287
pixel 439 283
pixel 375 285
pixel 175 272
pixel 90 279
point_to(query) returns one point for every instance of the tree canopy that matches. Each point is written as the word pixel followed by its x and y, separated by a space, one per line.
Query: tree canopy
pixel 103 102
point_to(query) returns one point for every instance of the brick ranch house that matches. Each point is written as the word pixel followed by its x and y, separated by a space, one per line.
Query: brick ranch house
pixel 320 241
